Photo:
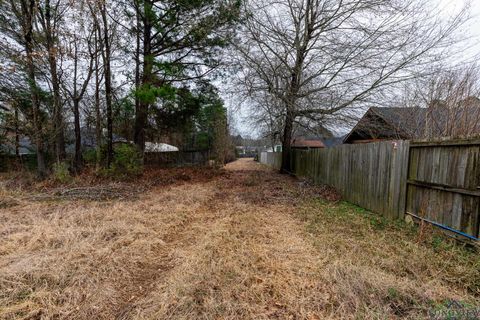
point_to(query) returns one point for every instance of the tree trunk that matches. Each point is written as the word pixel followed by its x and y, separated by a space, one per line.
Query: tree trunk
pixel 57 103
pixel 77 161
pixel 137 57
pixel 17 136
pixel 286 143
pixel 108 84
pixel 78 138
pixel 146 81
pixel 98 119
pixel 28 11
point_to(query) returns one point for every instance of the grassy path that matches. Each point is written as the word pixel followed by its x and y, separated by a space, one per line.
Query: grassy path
pixel 243 244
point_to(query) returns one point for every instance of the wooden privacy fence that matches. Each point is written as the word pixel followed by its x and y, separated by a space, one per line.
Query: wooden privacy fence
pixel 272 159
pixel 177 158
pixel 438 181
pixel 371 175
pixel 444 184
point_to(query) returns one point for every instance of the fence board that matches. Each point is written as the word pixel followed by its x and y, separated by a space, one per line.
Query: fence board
pixel 443 184
pixel 370 175
pixel 271 159
pixel 435 180
pixel 176 158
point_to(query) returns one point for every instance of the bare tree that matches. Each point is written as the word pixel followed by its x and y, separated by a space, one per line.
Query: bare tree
pixel 99 12
pixel 98 114
pixel 80 81
pixel 268 118
pixel 106 56
pixel 443 104
pixel 453 104
pixel 50 15
pixel 320 58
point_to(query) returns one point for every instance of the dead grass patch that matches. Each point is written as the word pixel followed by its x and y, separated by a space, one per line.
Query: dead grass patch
pixel 379 268
pixel 209 244
pixel 88 186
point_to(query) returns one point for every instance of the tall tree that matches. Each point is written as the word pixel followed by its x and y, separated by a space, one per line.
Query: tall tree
pixel 320 58
pixel 179 40
pixel 98 115
pixel 99 12
pixel 78 88
pixel 50 15
pixel 25 12
pixel 106 55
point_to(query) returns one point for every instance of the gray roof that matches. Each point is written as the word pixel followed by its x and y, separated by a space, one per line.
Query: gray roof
pixel 389 123
pixel 440 119
pixel 405 122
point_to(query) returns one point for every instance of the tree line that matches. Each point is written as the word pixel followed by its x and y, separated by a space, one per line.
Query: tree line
pixel 141 69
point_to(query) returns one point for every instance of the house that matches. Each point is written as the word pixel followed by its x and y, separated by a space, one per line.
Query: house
pixel 310 136
pixel 25 147
pixel 388 124
pixel 439 119
pixel 300 143
pixel 246 151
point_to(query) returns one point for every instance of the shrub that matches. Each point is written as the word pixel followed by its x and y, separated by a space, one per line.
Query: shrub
pixel 127 162
pixel 90 156
pixel 60 172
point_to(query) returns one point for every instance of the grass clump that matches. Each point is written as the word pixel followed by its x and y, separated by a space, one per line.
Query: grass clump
pixel 61 173
pixel 127 162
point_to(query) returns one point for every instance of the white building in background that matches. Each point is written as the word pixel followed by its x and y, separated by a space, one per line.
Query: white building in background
pixel 159 147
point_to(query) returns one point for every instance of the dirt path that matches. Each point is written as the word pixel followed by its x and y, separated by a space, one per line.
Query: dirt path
pixel 233 246
pixel 239 256
pixel 222 248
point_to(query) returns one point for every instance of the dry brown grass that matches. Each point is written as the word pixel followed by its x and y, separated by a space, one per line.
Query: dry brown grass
pixel 383 269
pixel 244 243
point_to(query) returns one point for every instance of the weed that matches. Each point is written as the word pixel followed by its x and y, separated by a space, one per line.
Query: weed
pixel 61 173
pixel 251 180
pixel 127 163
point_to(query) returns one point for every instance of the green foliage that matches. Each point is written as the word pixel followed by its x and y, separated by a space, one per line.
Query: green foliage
pixel 90 156
pixel 127 162
pixel 171 69
pixel 148 93
pixel 203 141
pixel 209 122
pixel 188 37
pixel 61 173
pixel 124 116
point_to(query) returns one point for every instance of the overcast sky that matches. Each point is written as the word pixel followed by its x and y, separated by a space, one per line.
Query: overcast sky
pixel 471 29
pixel 470 52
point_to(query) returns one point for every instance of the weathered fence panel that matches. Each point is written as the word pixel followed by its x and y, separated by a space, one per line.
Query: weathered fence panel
pixel 176 158
pixel 271 159
pixel 438 181
pixel 370 175
pixel 444 184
